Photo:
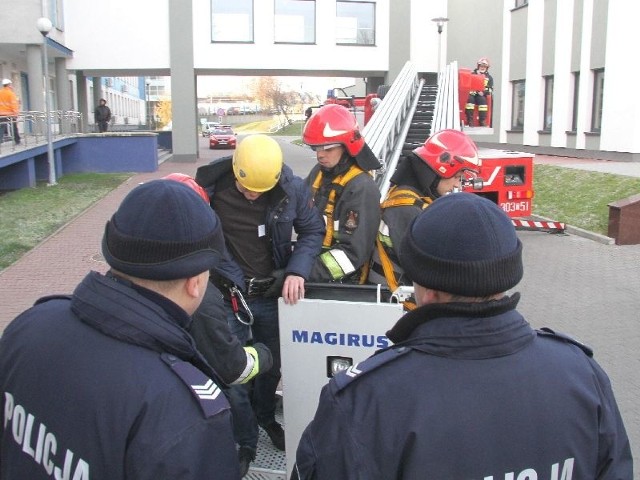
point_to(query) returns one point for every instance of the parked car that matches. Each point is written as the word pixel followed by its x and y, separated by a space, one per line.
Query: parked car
pixel 207 127
pixel 222 136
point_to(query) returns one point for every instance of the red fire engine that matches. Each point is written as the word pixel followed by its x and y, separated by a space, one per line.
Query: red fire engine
pixel 507 180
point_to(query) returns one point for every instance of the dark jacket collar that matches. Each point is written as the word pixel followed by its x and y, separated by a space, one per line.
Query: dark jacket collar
pixel 464 330
pixel 136 316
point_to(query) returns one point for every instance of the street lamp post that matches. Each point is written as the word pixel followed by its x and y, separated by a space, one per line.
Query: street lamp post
pixel 148 85
pixel 440 21
pixel 44 26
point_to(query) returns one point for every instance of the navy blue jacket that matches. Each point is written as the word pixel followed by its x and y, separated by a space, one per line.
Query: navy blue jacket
pixel 469 391
pixel 107 384
pixel 291 210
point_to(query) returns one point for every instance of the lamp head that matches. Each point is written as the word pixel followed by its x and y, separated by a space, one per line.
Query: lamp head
pixel 440 21
pixel 44 26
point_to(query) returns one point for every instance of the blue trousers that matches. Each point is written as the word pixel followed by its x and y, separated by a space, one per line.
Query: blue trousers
pixel 254 404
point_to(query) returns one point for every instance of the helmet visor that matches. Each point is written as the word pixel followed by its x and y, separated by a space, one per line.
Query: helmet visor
pixel 328 146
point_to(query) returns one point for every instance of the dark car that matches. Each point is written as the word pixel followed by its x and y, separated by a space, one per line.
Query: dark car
pixel 222 136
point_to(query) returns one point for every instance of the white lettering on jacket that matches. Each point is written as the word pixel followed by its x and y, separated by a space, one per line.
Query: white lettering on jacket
pixel 42 445
pixel 531 474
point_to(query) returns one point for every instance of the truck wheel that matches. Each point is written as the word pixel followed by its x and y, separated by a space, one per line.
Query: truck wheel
pixel 382 91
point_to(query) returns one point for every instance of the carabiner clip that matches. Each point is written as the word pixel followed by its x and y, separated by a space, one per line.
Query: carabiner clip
pixel 235 295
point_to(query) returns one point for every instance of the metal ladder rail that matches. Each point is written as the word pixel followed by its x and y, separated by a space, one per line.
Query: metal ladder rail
pixel 383 130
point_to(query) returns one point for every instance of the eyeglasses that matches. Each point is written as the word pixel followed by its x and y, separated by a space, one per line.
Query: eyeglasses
pixel 329 146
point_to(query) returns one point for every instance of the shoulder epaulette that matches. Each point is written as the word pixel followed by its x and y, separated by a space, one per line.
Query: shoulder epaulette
pixel 547 332
pixel 52 297
pixel 206 392
pixel 347 376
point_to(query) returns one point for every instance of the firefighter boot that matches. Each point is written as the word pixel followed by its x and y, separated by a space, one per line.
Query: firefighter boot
pixel 482 117
pixel 469 118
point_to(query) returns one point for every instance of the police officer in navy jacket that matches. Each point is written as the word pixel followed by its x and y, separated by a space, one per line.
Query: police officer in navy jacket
pixel 107 383
pixel 469 390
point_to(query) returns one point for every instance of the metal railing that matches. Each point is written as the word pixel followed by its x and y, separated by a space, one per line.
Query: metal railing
pixel 389 124
pixel 446 113
pixel 32 126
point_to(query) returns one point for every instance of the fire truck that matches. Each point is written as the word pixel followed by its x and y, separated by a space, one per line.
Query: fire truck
pixel 338 325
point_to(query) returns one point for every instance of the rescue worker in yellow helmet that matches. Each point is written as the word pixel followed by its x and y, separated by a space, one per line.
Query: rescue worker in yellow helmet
pixel 479 98
pixel 432 170
pixel 344 192
pixel 260 203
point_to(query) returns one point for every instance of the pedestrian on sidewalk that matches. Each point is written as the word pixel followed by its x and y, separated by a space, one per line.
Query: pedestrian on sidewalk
pixel 107 381
pixel 102 115
pixel 9 109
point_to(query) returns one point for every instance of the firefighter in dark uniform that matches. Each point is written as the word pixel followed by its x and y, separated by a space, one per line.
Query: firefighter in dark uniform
pixel 479 98
pixel 107 382
pixel 260 203
pixel 469 389
pixel 432 170
pixel 233 362
pixel 344 192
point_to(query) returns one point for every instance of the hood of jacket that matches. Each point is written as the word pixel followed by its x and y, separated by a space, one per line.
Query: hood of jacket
pixel 114 307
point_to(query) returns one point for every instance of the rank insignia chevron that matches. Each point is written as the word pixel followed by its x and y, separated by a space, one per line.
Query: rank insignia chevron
pixel 208 391
pixel 352 371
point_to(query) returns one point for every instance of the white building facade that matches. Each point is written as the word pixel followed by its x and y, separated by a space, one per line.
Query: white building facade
pixel 550 58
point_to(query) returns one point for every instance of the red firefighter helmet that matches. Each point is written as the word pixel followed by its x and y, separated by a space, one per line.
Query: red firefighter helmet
pixel 484 61
pixel 333 124
pixel 449 151
pixel 189 182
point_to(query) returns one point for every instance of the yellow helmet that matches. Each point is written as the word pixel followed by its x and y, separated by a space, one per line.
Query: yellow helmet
pixel 257 163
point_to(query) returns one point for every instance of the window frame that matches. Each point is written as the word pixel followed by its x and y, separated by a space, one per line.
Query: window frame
pixel 303 41
pixel 517 105
pixel 547 118
pixel 576 96
pixel 597 100
pixel 359 30
pixel 235 3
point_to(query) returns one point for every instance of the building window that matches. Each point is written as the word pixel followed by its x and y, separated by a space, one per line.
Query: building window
pixel 295 21
pixel 521 3
pixel 548 103
pixel 576 94
pixel 232 21
pixel 56 15
pixel 598 92
pixel 517 105
pixel 355 23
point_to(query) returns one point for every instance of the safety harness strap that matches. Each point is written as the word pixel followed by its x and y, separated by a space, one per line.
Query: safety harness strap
pixel 338 183
pixel 397 198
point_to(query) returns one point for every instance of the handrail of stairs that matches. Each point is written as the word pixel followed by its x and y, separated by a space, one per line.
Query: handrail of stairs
pixel 447 111
pixel 389 124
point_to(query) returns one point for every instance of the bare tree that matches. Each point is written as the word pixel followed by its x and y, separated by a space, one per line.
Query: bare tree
pixel 271 94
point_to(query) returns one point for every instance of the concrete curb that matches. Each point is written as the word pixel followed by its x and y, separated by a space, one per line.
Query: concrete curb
pixel 580 232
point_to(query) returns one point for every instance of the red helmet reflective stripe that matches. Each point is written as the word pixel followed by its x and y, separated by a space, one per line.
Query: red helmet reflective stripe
pixel 449 151
pixel 333 124
pixel 190 182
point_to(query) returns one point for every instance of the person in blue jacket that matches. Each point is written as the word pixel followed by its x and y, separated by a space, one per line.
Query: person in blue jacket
pixel 107 383
pixel 261 203
pixel 469 389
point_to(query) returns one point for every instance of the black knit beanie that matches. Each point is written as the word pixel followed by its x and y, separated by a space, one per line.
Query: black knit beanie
pixel 163 231
pixel 463 244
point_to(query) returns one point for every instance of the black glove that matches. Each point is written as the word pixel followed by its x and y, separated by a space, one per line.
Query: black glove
pixel 275 290
pixel 264 357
